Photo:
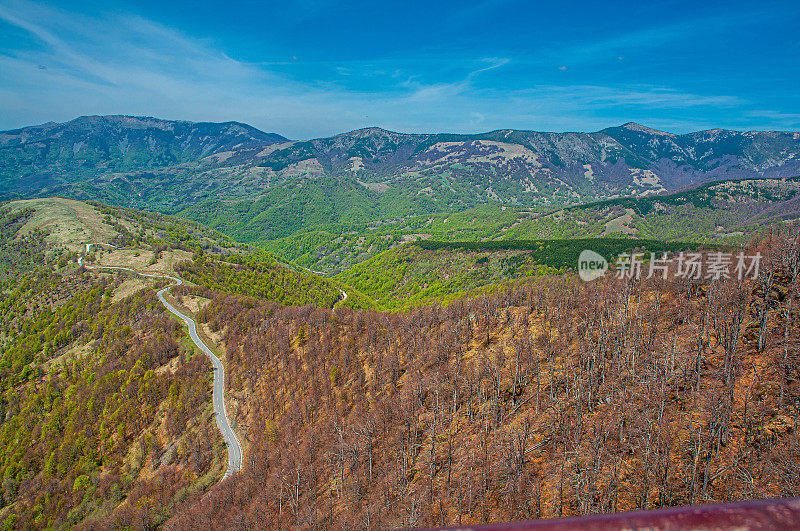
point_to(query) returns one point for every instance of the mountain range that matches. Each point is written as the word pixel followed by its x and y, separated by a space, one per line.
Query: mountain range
pixel 106 415
pixel 259 187
pixel 110 155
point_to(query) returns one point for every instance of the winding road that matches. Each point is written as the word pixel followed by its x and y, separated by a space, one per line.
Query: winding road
pixel 218 394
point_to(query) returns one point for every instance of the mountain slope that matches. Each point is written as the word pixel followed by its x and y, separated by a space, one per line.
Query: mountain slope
pixel 259 188
pixel 105 403
pixel 527 167
pixel 553 398
pixel 40 157
pixel 718 211
pixel 679 160
pixel 721 211
pixel 169 166
pixel 433 271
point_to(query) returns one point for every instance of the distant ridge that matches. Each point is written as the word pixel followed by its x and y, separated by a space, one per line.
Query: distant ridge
pixel 142 121
pixel 173 165
pixel 90 122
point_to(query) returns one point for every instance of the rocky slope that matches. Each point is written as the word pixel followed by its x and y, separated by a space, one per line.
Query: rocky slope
pixel 528 167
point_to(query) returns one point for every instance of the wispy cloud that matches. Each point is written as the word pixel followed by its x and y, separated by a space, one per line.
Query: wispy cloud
pixel 440 91
pixel 631 95
pixel 657 36
pixel 123 63
pixel 765 119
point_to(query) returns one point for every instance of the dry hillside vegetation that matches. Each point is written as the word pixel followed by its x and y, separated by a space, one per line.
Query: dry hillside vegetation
pixel 68 223
pixel 552 398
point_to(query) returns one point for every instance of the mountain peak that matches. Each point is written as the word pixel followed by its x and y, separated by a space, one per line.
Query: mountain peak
pixel 99 124
pixel 366 131
pixel 633 126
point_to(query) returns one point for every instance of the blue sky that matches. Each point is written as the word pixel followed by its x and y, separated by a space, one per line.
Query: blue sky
pixel 314 68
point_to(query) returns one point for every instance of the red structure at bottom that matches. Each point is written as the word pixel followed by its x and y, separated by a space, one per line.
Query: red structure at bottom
pixel 782 513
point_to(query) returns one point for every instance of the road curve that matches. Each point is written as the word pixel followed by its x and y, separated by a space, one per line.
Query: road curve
pixel 218 393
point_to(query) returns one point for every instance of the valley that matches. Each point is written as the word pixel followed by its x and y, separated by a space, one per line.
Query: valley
pixel 205 324
pixel 519 266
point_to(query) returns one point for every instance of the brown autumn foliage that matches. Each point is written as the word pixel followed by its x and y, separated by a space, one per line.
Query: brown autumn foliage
pixel 553 398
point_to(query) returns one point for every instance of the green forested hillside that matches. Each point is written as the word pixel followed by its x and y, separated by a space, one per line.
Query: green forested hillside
pixel 259 276
pixel 47 157
pixel 166 165
pixel 104 406
pixel 333 248
pixel 330 203
pixel 288 208
pixel 430 270
pixel 105 403
pixel 726 212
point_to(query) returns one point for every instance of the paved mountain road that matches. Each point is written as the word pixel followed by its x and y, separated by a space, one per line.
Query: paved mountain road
pixel 218 394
